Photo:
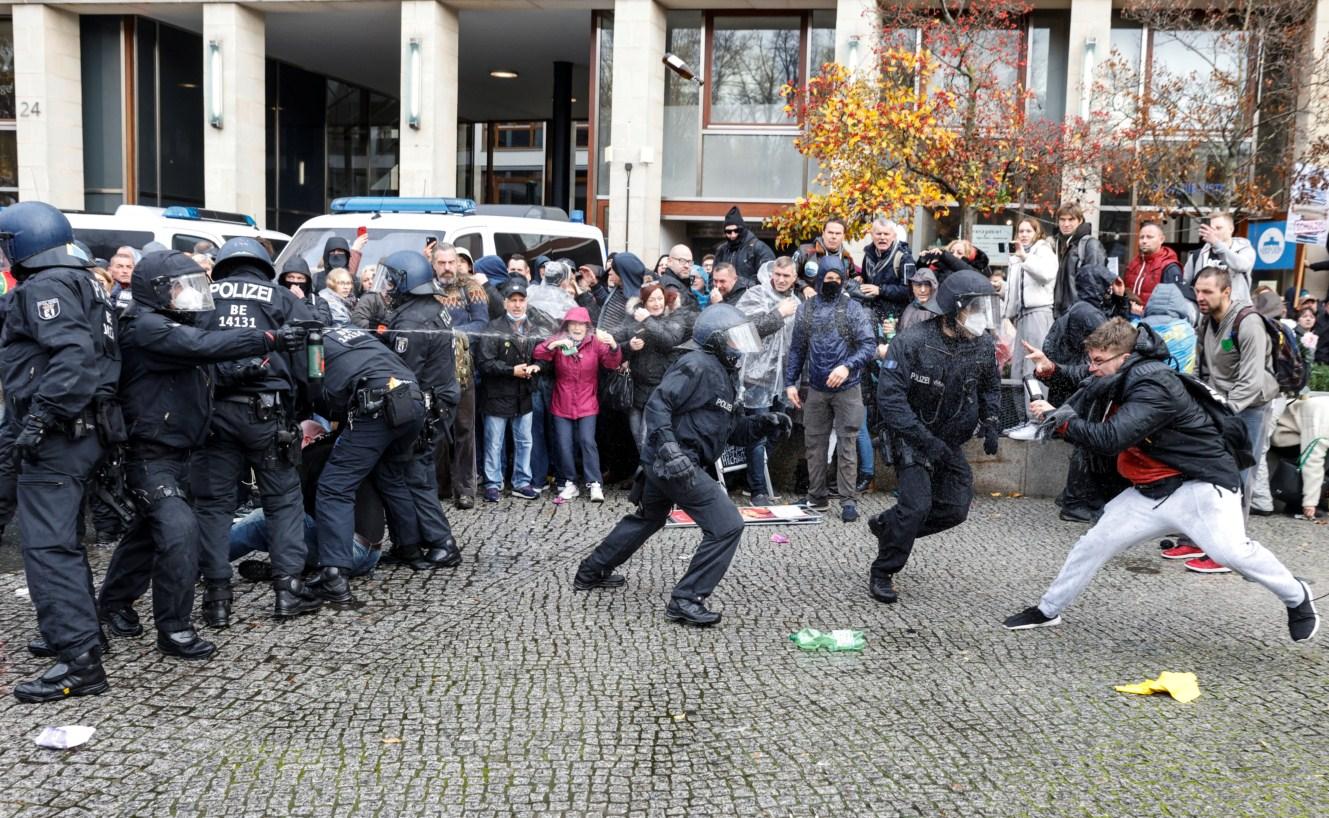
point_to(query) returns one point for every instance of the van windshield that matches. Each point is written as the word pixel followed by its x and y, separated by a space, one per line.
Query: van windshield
pixel 308 243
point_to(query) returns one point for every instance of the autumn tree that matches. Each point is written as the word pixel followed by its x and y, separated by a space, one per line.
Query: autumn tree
pixel 1213 120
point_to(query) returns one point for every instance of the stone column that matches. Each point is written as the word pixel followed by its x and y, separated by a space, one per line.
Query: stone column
pixel 234 110
pixel 48 92
pixel 1091 21
pixel 637 128
pixel 429 34
pixel 857 32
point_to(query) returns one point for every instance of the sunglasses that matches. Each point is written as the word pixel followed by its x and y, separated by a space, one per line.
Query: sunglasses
pixel 729 230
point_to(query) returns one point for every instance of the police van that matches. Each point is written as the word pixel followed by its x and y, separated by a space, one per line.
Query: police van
pixel 178 228
pixel 402 223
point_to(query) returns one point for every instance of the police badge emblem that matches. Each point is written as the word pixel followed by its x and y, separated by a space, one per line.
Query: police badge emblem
pixel 48 309
pixel 401 346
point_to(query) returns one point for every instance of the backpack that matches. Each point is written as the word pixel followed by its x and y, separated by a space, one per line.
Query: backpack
pixel 1233 430
pixel 1289 368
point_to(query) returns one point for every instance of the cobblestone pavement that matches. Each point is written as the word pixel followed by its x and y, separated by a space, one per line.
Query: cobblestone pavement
pixel 495 689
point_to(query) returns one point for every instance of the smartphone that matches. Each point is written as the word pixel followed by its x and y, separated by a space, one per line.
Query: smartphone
pixel 430 241
pixel 360 231
pixel 1033 387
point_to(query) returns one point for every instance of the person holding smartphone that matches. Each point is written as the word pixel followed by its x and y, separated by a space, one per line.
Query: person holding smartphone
pixel 1029 291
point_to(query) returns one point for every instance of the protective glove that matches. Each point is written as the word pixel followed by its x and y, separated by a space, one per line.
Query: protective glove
pixel 251 369
pixel 1053 421
pixel 991 435
pixel 775 425
pixel 30 438
pixel 934 450
pixel 288 336
pixel 671 464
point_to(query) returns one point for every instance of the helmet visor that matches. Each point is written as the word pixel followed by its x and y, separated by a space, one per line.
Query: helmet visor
pixel 974 306
pixel 191 293
pixel 743 338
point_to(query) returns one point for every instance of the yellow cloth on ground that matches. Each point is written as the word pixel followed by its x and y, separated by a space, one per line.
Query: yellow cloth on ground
pixel 1182 686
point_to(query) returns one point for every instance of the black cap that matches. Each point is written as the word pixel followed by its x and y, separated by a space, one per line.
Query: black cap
pixel 513 286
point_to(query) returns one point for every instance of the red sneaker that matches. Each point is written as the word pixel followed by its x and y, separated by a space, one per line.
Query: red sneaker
pixel 1204 565
pixel 1184 551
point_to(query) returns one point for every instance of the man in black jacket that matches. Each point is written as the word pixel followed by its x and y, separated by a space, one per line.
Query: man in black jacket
pixel 166 383
pixel 503 358
pixel 888 265
pixel 1182 469
pixel 741 248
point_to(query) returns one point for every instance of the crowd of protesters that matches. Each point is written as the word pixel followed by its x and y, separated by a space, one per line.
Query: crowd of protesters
pixel 528 368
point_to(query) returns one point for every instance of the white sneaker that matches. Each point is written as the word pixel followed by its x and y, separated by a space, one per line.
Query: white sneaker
pixel 569 491
pixel 597 496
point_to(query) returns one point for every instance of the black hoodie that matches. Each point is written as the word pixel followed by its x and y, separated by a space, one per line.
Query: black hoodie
pixel 746 252
pixel 1074 251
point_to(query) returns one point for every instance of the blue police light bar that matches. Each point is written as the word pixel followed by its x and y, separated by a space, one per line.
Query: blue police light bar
pixel 400 204
pixel 198 214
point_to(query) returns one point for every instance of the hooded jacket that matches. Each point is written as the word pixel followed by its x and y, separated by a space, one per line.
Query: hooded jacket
pixel 316 281
pixel 1074 251
pixel 615 308
pixel 577 376
pixel 827 334
pixel 1144 273
pixel 1152 411
pixel 747 252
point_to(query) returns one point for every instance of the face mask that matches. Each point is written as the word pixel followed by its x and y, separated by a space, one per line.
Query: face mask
pixel 337 260
pixel 830 289
pixel 516 319
pixel 976 323
pixel 188 300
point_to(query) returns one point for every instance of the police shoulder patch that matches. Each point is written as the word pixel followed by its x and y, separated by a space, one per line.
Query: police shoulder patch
pixel 48 308
pixel 401 344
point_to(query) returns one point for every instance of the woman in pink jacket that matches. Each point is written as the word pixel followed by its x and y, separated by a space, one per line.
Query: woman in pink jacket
pixel 578 355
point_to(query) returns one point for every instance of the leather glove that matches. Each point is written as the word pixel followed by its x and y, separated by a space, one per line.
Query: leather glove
pixel 775 425
pixel 934 450
pixel 30 438
pixel 286 337
pixel 991 435
pixel 1053 421
pixel 671 464
pixel 251 369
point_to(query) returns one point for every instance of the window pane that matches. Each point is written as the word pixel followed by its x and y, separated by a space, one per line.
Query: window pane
pixel 604 102
pixel 1039 46
pixel 579 250
pixel 1209 64
pixel 752 58
pixel 6 68
pixel 821 48
pixel 1126 43
pixel 682 107
pixel 8 159
pixel 751 166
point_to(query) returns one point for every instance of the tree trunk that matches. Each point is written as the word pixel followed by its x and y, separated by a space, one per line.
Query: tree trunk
pixel 968 218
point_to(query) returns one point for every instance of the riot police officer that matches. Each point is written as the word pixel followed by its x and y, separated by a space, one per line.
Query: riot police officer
pixel 253 427
pixel 421 333
pixel 59 366
pixel 166 384
pixel 373 394
pixel 938 385
pixel 690 418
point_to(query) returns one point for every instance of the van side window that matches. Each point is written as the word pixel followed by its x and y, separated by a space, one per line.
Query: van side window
pixel 104 243
pixel 579 250
pixel 185 243
pixel 472 243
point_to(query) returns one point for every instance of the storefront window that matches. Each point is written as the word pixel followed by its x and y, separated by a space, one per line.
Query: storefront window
pixel 1212 66
pixel 682 113
pixel 604 97
pixel 8 137
pixel 751 59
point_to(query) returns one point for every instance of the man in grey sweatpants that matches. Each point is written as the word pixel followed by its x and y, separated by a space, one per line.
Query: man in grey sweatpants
pixel 1183 476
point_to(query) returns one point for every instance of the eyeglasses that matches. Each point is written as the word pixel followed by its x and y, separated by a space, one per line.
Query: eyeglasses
pixel 680 260
pixel 729 230
pixel 1099 363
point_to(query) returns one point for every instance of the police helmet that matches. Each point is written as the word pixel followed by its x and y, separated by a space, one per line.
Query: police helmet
pixel 242 251
pixel 172 282
pixel 969 300
pixel 408 272
pixel 34 235
pixel 726 333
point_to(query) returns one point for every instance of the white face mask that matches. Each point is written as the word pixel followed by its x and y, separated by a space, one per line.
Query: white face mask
pixel 976 323
pixel 188 300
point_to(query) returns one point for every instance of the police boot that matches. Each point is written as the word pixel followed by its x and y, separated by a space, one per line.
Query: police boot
pixel 40 648
pixel 121 621
pixel 445 555
pixel 331 585
pixel 410 556
pixel 184 644
pixel 217 603
pixel 293 598
pixel 81 676
pixel 883 589
pixel 690 613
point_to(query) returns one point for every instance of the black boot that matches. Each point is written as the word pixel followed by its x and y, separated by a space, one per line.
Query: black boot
pixel 40 648
pixel 184 644
pixel 583 581
pixel 217 603
pixel 122 621
pixel 331 585
pixel 81 676
pixel 690 613
pixel 408 555
pixel 293 598
pixel 883 589
pixel 446 555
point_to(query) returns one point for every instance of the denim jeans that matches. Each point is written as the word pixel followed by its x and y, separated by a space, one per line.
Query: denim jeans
pixel 867 458
pixel 250 533
pixel 539 469
pixel 584 428
pixel 1257 420
pixel 495 432
pixel 756 460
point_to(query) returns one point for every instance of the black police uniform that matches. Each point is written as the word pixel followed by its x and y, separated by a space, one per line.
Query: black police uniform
pixel 8 468
pixel 378 437
pixel 253 427
pixel 59 362
pixel 934 391
pixel 696 404
pixel 166 384
pixel 420 332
